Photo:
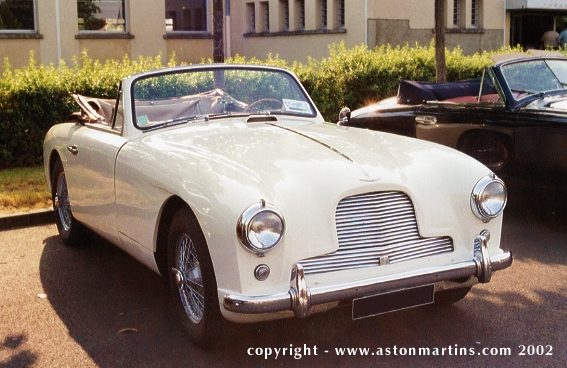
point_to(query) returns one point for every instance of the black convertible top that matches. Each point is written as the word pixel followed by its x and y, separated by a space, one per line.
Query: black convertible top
pixel 415 93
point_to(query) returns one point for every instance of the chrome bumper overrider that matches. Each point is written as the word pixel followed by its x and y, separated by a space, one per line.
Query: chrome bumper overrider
pixel 300 298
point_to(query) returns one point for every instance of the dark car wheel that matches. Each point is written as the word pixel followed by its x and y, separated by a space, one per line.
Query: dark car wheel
pixel 490 149
pixel 70 230
pixel 452 296
pixel 192 280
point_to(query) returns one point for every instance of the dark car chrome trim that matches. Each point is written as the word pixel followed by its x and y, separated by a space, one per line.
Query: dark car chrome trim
pixel 300 298
pixel 426 119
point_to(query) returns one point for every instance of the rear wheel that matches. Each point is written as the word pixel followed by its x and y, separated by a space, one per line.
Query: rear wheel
pixel 70 230
pixel 192 280
pixel 490 149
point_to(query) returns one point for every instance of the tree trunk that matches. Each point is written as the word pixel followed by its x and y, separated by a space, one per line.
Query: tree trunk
pixel 440 67
pixel 218 34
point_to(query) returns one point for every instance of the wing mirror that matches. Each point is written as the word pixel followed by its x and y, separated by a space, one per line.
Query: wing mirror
pixel 344 116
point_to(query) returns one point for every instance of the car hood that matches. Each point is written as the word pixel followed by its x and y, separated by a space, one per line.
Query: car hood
pixel 269 151
pixel 293 160
pixel 556 104
pixel 551 104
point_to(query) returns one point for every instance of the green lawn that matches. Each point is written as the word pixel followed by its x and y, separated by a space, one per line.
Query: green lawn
pixel 23 189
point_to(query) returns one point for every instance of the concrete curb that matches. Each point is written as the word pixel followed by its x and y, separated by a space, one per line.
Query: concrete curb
pixel 24 219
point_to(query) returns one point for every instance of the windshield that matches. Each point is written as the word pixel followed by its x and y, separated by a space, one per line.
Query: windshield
pixel 178 97
pixel 536 76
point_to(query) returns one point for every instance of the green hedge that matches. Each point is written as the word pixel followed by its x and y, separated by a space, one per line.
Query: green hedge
pixel 35 97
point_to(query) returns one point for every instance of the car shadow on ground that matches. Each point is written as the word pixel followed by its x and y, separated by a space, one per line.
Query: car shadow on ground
pixel 18 357
pixel 119 313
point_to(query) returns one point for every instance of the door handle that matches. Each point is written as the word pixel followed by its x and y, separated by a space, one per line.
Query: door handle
pixel 425 119
pixel 73 149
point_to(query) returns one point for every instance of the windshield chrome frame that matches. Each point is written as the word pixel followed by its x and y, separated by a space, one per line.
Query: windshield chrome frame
pixel 211 68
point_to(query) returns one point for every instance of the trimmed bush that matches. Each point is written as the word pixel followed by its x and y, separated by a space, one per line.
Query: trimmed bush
pixel 35 97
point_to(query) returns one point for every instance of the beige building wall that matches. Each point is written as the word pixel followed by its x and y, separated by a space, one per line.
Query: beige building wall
pixel 398 22
pixel 18 51
pixel 57 36
pixel 193 51
pixel 294 43
pixel 371 22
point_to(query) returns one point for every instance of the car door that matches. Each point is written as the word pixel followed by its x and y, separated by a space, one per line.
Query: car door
pixel 89 166
pixel 441 122
pixel 541 139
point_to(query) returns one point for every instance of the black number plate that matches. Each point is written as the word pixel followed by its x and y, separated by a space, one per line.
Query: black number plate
pixel 391 301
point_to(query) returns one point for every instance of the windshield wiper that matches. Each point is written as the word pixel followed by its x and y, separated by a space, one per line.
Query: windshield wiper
pixel 523 91
pixel 204 117
pixel 537 94
pixel 176 121
pixel 183 120
pixel 225 114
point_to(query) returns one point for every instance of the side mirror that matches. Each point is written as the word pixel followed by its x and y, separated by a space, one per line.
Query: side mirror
pixel 344 116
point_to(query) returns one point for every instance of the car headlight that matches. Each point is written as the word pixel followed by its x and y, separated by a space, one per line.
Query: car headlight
pixel 260 228
pixel 488 198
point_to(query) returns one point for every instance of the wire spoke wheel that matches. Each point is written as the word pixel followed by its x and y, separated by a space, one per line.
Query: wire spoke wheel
pixel 71 231
pixel 61 202
pixel 192 279
pixel 190 287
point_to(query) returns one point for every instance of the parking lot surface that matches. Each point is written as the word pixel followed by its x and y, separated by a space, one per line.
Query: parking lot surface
pixel 95 306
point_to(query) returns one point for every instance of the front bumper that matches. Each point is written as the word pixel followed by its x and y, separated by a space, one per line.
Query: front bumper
pixel 300 299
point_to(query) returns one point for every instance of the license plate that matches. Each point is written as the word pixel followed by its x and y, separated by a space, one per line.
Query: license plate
pixel 391 301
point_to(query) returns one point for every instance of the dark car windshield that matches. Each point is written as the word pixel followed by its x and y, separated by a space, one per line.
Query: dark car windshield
pixel 535 76
pixel 189 94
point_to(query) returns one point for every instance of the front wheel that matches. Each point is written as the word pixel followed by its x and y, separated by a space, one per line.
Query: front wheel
pixel 70 230
pixel 492 150
pixel 192 280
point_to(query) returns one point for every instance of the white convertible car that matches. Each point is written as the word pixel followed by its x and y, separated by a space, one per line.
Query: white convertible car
pixel 226 180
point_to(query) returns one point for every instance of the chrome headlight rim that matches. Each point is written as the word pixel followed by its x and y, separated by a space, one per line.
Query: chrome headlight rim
pixel 245 220
pixel 477 204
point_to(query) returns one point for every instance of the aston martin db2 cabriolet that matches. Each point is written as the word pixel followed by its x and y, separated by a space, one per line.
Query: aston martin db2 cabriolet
pixel 513 118
pixel 225 180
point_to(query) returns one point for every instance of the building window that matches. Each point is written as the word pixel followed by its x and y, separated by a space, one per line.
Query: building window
pixel 323 7
pixel 17 15
pixel 341 13
pixel 300 14
pixel 475 13
pixel 102 15
pixel 186 15
pixel 251 17
pixel 284 15
pixel 265 9
pixel 456 13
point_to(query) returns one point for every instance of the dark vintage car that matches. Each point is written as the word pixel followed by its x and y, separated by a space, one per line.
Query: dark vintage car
pixel 512 119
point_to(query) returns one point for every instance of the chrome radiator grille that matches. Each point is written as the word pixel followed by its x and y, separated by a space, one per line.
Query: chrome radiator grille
pixel 373 229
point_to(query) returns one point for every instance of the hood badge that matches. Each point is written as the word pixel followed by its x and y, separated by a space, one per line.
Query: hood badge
pixel 370 179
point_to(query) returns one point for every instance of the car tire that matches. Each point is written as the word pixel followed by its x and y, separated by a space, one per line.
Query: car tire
pixel 192 279
pixel 490 149
pixel 70 230
pixel 448 297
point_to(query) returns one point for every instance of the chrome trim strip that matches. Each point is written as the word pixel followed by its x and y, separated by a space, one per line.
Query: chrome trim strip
pixel 300 299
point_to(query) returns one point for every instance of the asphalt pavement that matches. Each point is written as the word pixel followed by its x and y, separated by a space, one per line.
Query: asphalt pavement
pixel 95 306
